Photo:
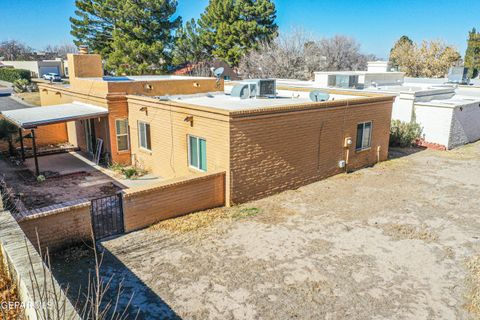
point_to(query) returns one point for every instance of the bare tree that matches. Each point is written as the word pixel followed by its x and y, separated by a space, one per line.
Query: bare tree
pixel 297 56
pixel 61 51
pixel 15 50
pixel 342 54
pixel 282 58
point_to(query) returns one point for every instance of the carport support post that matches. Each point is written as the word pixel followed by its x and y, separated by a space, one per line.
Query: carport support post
pixel 34 144
pixel 20 132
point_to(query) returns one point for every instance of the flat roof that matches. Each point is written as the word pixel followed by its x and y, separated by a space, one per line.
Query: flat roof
pixel 225 101
pixel 30 118
pixel 145 78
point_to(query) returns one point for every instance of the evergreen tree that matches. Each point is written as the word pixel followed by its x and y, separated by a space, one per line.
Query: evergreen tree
pixel 188 48
pixel 134 36
pixel 143 37
pixel 472 55
pixel 231 28
pixel 94 23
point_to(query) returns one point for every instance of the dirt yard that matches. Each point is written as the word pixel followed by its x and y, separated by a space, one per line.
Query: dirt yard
pixel 396 241
pixel 57 188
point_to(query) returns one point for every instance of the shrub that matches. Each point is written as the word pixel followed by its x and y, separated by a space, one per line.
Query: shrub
pixel 21 85
pixel 404 134
pixel 11 74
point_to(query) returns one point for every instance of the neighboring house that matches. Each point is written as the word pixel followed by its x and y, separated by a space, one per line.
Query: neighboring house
pixel 449 114
pixel 39 68
pixel 449 117
pixel 184 126
pixel 377 74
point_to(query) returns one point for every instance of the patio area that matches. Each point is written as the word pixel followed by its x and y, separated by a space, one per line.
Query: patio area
pixel 68 177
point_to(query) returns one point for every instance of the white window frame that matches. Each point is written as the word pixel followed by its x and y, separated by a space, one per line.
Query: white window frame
pixel 198 152
pixel 146 139
pixel 123 134
pixel 363 132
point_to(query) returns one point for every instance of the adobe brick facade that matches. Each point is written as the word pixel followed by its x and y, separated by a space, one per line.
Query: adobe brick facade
pixel 279 150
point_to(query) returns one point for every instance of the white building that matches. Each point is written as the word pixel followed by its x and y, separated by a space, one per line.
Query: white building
pixel 377 74
pixel 449 114
pixel 39 68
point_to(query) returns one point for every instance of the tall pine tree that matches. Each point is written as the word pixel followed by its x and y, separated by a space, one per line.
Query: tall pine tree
pixel 231 28
pixel 94 23
pixel 472 55
pixel 188 48
pixel 134 36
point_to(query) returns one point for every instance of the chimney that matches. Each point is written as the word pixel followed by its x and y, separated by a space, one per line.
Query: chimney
pixel 83 49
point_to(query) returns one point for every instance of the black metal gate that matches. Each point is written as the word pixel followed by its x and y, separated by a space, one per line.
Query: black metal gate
pixel 107 216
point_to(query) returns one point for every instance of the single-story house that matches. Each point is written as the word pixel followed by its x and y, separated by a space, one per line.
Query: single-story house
pixel 176 126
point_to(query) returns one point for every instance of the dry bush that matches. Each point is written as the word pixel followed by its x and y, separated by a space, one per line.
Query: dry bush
pixel 204 219
pixel 8 293
pixel 91 304
pixel 473 282
pixel 407 231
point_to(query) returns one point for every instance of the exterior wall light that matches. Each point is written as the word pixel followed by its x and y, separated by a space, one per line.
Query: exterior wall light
pixel 189 119
pixel 144 109
pixel 196 84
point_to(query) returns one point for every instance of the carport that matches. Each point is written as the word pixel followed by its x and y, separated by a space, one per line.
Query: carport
pixel 32 118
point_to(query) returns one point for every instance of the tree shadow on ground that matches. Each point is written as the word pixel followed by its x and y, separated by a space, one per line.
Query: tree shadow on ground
pixel 397 152
pixel 71 267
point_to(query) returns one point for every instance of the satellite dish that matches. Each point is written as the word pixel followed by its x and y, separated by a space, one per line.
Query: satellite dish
pixel 218 72
pixel 318 96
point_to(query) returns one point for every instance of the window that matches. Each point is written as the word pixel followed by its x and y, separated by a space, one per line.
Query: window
pixel 144 135
pixel 121 126
pixel 364 135
pixel 197 153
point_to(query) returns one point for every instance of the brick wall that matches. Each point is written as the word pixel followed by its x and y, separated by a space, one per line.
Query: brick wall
pixel 45 135
pixel 169 155
pixel 144 207
pixel 59 227
pixel 279 150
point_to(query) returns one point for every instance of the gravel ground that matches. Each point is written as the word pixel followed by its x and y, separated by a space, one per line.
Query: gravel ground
pixel 388 242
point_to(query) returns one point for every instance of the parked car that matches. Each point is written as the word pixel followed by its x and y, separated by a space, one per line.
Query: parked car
pixel 52 76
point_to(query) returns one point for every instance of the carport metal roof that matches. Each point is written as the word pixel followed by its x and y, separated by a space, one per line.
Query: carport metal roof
pixel 30 118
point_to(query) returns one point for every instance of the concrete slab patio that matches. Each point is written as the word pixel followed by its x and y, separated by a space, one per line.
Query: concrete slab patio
pixel 396 241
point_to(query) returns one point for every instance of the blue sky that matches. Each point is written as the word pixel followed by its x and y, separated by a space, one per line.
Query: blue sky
pixel 376 24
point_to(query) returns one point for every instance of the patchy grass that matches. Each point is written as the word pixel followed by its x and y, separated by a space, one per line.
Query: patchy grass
pixel 9 294
pixel 204 219
pixel 466 152
pixel 406 231
pixel 473 282
pixel 32 98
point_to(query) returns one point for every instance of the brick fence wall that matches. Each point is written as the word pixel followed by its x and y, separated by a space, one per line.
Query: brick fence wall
pixel 173 198
pixel 59 226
